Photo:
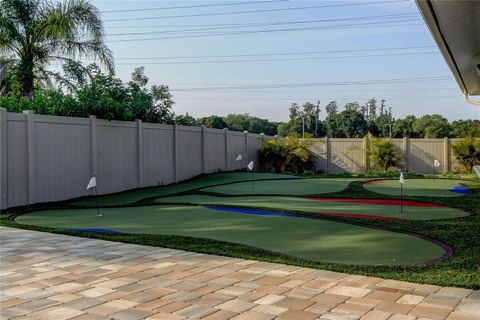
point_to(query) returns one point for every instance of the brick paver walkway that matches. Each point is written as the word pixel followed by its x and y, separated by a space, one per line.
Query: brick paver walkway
pixel 47 276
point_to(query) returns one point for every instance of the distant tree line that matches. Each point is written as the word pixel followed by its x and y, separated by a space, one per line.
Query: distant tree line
pixel 356 121
pixel 85 90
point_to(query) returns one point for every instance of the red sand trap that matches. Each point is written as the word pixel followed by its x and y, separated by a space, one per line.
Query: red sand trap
pixel 361 216
pixel 375 182
pixel 385 202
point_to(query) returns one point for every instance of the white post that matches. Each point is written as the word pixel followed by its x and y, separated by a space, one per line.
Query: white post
pixel 175 152
pixel 446 154
pixel 3 159
pixel 406 146
pixel 93 148
pixel 204 149
pixel 245 158
pixel 139 153
pixel 30 155
pixel 226 148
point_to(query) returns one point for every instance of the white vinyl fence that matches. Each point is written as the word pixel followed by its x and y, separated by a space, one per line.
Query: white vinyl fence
pixel 49 158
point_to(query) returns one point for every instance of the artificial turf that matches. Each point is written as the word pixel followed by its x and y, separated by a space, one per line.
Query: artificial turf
pixel 312 186
pixel 305 238
pixel 463 234
pixel 305 205
pixel 132 196
pixel 430 187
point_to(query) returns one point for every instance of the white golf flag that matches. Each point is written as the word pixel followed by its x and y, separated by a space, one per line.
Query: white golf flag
pixel 92 183
pixel 250 166
pixel 402 179
pixel 239 158
pixel 436 163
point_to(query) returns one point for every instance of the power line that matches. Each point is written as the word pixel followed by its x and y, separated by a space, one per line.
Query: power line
pixel 277 53
pixel 265 24
pixel 280 59
pixel 313 99
pixel 318 84
pixel 356 26
pixel 193 6
pixel 254 11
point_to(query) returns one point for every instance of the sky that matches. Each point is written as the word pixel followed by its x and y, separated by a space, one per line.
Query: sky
pixel 259 56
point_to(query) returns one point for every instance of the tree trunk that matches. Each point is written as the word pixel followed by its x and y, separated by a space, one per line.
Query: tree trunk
pixel 27 77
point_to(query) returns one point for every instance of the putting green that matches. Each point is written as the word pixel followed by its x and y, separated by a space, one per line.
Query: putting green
pixel 312 239
pixel 416 187
pixel 312 186
pixel 133 196
pixel 319 206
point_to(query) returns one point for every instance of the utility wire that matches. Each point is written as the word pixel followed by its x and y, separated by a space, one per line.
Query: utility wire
pixel 265 24
pixel 356 26
pixel 255 11
pixel 277 53
pixel 312 99
pixel 280 59
pixel 318 84
pixel 193 6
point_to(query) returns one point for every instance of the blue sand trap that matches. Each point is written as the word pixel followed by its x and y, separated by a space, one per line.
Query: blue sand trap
pixel 253 211
pixel 461 189
pixel 105 231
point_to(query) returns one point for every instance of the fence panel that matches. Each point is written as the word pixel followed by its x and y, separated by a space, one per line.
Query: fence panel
pixel 214 150
pixel 346 155
pixel 422 154
pixel 17 161
pixel 189 154
pixel 117 156
pixel 62 157
pixel 158 158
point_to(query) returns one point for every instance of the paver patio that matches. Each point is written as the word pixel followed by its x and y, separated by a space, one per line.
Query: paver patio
pixel 50 276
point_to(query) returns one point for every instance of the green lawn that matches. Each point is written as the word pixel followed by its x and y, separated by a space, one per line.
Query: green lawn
pixel 316 206
pixel 311 239
pixel 417 187
pixel 312 186
pixel 133 196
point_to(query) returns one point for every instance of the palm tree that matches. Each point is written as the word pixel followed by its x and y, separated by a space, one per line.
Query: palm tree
pixel 35 33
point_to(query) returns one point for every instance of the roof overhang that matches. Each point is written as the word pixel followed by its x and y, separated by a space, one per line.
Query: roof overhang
pixel 455 26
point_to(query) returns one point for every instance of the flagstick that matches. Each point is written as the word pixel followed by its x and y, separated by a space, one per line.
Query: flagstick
pixel 96 198
pixel 401 197
pixel 252 181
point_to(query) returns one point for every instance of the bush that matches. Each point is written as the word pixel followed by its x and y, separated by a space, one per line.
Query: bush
pixel 467 150
pixel 382 153
pixel 290 154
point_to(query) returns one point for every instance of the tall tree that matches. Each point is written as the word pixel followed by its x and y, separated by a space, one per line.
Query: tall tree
pixel 432 126
pixel 331 108
pixel 403 128
pixel 294 111
pixel 35 33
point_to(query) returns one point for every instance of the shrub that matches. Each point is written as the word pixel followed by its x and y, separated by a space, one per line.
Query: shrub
pixel 290 154
pixel 382 153
pixel 467 150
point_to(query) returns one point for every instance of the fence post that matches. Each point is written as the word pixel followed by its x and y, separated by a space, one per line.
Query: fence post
pixel 245 159
pixel 139 153
pixel 30 154
pixel 406 147
pixel 446 154
pixel 175 152
pixel 3 159
pixel 204 149
pixel 365 154
pixel 225 130
pixel 329 154
pixel 93 145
